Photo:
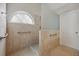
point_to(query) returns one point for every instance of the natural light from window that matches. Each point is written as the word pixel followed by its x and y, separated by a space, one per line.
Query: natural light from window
pixel 22 17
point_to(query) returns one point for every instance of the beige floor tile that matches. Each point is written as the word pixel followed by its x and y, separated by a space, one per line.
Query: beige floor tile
pixel 30 51
pixel 64 51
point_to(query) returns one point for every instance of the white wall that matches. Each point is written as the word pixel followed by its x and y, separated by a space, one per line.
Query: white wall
pixel 32 8
pixel 49 19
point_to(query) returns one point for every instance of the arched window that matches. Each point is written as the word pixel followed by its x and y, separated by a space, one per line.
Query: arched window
pixel 22 17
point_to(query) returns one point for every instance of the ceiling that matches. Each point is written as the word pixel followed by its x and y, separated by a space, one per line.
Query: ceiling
pixel 60 8
pixel 55 6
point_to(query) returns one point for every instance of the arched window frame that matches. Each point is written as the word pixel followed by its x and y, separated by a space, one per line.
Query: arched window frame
pixel 22 12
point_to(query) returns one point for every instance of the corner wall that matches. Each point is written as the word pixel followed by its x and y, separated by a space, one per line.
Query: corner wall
pixel 49 19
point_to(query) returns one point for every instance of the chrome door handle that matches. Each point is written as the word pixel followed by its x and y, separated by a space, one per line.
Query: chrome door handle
pixel 3 37
pixel 76 32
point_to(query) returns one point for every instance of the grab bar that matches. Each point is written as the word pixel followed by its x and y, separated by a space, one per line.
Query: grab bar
pixel 24 32
pixel 53 34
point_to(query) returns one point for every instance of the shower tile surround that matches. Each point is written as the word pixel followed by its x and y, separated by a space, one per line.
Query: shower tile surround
pixel 51 46
pixel 48 46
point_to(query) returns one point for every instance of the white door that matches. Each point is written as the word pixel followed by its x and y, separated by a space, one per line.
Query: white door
pixel 69 28
pixel 2 28
pixel 77 30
